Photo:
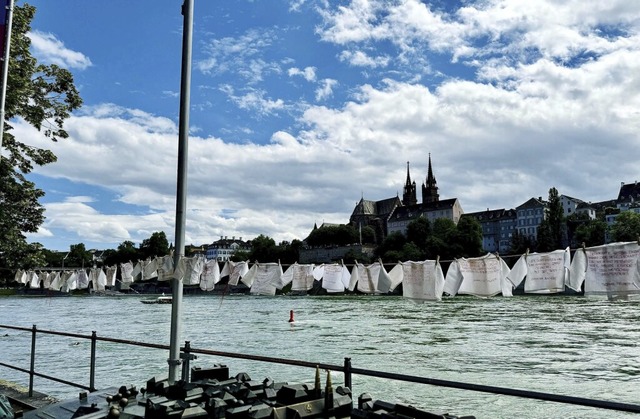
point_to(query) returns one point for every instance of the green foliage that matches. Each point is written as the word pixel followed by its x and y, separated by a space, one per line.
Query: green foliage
pixel 468 237
pixel 44 96
pixel 418 232
pixel 627 227
pixel 521 243
pixel 443 239
pixel 156 245
pixel 340 235
pixel 368 235
pixel 263 249
pixel 391 248
pixel 591 233
pixel 78 256
pixel 551 231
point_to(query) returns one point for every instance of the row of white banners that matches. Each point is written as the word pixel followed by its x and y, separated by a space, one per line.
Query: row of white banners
pixel 612 270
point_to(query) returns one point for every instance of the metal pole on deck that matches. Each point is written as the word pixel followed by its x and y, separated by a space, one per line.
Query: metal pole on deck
pixel 5 68
pixel 181 194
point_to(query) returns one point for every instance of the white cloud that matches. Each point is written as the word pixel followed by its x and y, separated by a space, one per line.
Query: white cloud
pixel 361 59
pixel 47 48
pixel 309 73
pixel 326 89
pixel 241 55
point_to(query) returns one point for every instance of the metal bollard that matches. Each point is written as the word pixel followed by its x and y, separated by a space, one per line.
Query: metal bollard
pixel 92 371
pixel 347 373
pixel 186 356
pixel 33 359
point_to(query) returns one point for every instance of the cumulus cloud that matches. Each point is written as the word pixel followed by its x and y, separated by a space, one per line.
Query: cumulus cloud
pixel 47 48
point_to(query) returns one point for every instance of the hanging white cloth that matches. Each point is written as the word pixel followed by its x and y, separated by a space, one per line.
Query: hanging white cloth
pixel 55 281
pixel 98 279
pixel 46 280
pixel 484 276
pixel 210 275
pixel 422 281
pixel 300 277
pixel 235 271
pixel 366 278
pixel 611 269
pixel 335 277
pixel 72 281
pixel 263 278
pixel 110 273
pixel 546 273
pixel 387 282
pixel 165 268
pixel 82 279
pixel 20 277
pixel 149 269
pixel 137 271
pixel 126 273
pixel 193 270
pixel 33 279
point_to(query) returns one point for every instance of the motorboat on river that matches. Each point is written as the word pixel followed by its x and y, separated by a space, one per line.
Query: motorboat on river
pixel 162 299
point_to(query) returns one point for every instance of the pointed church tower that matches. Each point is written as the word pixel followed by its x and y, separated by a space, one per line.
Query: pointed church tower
pixel 409 195
pixel 430 189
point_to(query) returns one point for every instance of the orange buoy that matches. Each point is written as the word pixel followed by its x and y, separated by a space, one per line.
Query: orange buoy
pixel 291 316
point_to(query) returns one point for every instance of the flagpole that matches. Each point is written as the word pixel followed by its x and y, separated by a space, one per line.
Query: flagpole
pixel 181 193
pixel 5 69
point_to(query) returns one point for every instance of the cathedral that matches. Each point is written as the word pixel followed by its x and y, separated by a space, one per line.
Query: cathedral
pixel 429 188
pixel 393 215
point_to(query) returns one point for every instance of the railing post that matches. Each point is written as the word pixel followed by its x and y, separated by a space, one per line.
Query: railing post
pixel 347 373
pixel 92 368
pixel 186 356
pixel 33 359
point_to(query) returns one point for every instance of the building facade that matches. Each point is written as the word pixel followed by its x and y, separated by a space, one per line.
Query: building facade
pixel 529 216
pixel 498 227
pixel 222 250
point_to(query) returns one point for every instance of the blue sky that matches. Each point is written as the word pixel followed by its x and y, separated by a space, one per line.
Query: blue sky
pixel 300 107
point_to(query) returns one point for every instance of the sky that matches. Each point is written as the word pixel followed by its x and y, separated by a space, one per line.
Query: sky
pixel 299 108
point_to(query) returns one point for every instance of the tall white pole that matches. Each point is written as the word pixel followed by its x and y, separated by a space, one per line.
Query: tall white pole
pixel 5 69
pixel 181 194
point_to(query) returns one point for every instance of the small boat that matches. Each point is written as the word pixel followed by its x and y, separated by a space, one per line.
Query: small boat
pixel 162 299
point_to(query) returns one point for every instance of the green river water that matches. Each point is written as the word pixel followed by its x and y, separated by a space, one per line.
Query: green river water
pixel 565 345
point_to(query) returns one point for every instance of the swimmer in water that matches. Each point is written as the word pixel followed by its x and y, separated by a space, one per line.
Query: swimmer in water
pixel 291 316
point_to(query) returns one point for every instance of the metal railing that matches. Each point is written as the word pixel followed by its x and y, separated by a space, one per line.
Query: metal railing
pixel 187 353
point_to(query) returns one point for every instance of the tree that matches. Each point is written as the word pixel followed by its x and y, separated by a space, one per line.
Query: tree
pixel 156 245
pixel 418 232
pixel 521 243
pixel 468 237
pixel 263 249
pixel 44 96
pixel 333 236
pixel 551 230
pixel 627 227
pixel 78 256
pixel 126 252
pixel 591 233
pixel 391 248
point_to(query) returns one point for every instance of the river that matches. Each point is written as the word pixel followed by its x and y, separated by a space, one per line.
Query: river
pixel 568 345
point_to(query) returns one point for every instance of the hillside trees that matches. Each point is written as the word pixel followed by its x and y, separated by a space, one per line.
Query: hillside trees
pixel 44 96
pixel 626 228
pixel 425 240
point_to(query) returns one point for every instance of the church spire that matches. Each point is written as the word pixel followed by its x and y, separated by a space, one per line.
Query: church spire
pixel 409 193
pixel 430 188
